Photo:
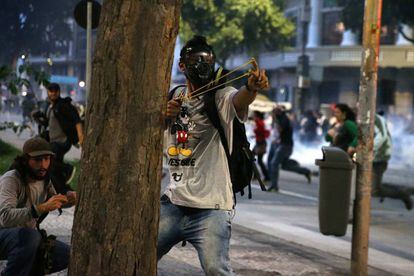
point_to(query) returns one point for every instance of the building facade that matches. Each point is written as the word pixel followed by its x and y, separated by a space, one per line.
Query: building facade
pixel 335 59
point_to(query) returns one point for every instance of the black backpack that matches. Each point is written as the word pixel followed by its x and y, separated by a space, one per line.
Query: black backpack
pixel 241 160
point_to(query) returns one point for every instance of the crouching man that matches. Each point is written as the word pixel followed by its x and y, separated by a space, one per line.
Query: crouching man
pixel 26 194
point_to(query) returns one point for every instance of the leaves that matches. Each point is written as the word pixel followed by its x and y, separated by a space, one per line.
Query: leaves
pixel 9 78
pixel 233 26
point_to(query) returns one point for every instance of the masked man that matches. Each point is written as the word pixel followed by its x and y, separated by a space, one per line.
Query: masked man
pixel 198 204
pixel 26 194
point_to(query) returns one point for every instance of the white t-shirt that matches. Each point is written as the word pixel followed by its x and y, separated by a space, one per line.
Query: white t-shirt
pixel 198 167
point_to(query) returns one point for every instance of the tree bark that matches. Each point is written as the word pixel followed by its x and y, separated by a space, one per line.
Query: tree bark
pixel 116 219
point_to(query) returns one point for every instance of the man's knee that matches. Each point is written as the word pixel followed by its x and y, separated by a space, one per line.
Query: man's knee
pixel 217 264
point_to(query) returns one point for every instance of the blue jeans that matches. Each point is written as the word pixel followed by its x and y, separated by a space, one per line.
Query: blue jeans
pixel 208 230
pixel 20 245
pixel 279 157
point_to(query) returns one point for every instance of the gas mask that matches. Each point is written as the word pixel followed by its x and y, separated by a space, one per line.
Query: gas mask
pixel 199 67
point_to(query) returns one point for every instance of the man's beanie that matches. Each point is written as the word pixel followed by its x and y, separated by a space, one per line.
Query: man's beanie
pixel 37 147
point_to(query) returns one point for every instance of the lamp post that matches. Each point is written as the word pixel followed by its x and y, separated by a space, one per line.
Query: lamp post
pixel 302 69
pixel 87 14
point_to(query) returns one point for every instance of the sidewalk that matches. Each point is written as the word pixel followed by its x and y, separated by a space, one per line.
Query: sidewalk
pixel 12 138
pixel 252 254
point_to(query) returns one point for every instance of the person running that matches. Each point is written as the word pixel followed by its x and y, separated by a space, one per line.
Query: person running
pixel 261 134
pixel 281 149
pixel 64 129
pixel 382 154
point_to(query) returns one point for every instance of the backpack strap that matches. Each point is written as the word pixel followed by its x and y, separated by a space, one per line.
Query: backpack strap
pixel 213 114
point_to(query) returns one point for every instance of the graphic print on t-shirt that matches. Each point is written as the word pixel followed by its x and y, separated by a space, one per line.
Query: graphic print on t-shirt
pixel 180 153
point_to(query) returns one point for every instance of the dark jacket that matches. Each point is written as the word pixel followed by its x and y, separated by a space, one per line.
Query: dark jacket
pixel 67 116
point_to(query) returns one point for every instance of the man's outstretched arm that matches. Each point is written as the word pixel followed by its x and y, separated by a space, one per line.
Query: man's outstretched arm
pixel 245 96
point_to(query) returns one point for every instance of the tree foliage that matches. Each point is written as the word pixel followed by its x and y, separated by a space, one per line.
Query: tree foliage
pixel 394 12
pixel 14 81
pixel 34 26
pixel 233 26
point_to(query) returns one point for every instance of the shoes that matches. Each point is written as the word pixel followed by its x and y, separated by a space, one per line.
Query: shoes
pixel 308 177
pixel 406 198
pixel 71 174
pixel 273 189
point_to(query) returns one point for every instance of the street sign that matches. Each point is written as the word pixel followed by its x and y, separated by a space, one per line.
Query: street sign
pixel 80 13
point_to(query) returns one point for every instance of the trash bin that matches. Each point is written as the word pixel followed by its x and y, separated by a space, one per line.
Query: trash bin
pixel 335 177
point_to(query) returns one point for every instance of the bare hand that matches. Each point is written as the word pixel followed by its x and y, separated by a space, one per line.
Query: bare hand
pixel 173 108
pixel 351 151
pixel 71 196
pixel 257 79
pixel 331 132
pixel 80 137
pixel 53 203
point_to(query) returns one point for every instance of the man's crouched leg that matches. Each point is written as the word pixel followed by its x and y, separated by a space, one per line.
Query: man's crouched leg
pixel 169 229
pixel 19 246
pixel 209 232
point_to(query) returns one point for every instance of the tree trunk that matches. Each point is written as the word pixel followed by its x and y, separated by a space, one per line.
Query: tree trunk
pixel 116 219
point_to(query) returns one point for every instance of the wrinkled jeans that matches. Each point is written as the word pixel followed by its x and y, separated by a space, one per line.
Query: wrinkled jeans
pixel 19 246
pixel 279 156
pixel 208 230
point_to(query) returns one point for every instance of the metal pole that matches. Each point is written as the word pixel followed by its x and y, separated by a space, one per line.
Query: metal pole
pixel 88 49
pixel 366 116
pixel 301 90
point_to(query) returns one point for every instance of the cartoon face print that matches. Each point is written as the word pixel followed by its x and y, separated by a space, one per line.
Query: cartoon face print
pixel 180 129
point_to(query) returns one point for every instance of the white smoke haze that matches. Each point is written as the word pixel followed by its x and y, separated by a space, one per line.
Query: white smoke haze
pixel 402 133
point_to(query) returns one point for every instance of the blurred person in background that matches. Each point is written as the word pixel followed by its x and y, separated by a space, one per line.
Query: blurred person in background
pixel 28 105
pixel 281 149
pixel 261 133
pixel 382 154
pixel 308 127
pixel 63 128
pixel 344 133
pixel 323 123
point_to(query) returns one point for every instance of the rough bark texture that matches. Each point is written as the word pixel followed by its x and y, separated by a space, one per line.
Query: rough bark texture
pixel 116 220
pixel 366 115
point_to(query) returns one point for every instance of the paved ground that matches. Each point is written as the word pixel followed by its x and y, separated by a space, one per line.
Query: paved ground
pixel 277 234
pixel 252 253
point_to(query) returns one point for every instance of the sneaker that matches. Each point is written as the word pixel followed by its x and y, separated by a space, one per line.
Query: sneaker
pixel 406 198
pixel 273 189
pixel 308 177
pixel 71 174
